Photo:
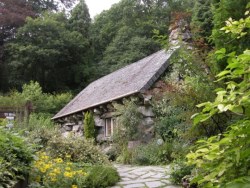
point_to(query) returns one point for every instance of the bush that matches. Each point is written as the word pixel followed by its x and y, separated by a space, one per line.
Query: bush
pixel 40 130
pixel 101 177
pixel 41 102
pixel 223 160
pixel 152 154
pixel 113 152
pixel 126 156
pixel 128 120
pixel 16 156
pixel 3 122
pixel 51 172
pixel 179 170
pixel 79 149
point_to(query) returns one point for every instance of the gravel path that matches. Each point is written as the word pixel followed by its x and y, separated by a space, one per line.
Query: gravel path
pixel 143 177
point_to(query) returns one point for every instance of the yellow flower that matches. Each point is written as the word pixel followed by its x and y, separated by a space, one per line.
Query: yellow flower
pixel 47 166
pixel 74 186
pixel 58 160
pixel 68 156
pixel 43 170
pixel 52 174
pixel 56 170
pixel 68 174
pixel 80 172
pixel 68 168
pixel 69 163
pixel 53 179
pixel 44 157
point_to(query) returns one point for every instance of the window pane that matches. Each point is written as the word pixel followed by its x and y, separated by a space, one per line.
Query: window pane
pixel 108 127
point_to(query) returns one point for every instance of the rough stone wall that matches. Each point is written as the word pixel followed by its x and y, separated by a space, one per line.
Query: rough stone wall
pixel 73 124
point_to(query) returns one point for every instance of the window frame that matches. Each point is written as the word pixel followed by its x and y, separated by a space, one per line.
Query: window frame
pixel 112 125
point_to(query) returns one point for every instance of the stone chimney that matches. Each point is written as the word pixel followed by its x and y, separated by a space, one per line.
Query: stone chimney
pixel 180 28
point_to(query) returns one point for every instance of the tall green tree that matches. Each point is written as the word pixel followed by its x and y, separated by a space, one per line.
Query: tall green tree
pixel 80 19
pixel 135 47
pixel 13 15
pixel 202 21
pixel 46 51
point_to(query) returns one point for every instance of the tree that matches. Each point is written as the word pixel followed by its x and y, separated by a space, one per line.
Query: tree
pixel 80 19
pixel 202 21
pixel 46 51
pixel 13 15
pixel 222 11
pixel 123 34
pixel 127 47
pixel 89 125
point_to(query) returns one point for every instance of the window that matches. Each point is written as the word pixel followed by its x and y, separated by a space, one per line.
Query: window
pixel 109 127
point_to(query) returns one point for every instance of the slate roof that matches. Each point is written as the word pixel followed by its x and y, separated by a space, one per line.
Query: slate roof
pixel 134 78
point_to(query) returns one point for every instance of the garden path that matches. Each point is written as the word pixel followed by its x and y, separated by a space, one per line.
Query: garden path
pixel 143 176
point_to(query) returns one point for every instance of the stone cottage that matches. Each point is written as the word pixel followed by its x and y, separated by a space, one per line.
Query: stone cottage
pixel 133 80
pixel 138 79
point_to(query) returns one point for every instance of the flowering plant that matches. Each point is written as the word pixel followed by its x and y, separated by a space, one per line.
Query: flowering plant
pixel 56 172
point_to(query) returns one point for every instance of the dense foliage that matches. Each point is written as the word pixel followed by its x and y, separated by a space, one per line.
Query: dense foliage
pixel 52 172
pixel 15 158
pixel 223 160
pixel 38 101
pixel 77 149
pixel 55 172
pixel 128 120
pixel 64 52
pixel 101 176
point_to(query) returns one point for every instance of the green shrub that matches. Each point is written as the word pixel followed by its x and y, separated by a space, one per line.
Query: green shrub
pixel 89 126
pixel 179 170
pixel 126 156
pixel 146 154
pixel 3 122
pixel 39 120
pixel 16 156
pixel 41 102
pixel 51 172
pixel 154 154
pixel 101 177
pixel 79 149
pixel 40 129
pixel 223 160
pixel 129 119
pixel 113 153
